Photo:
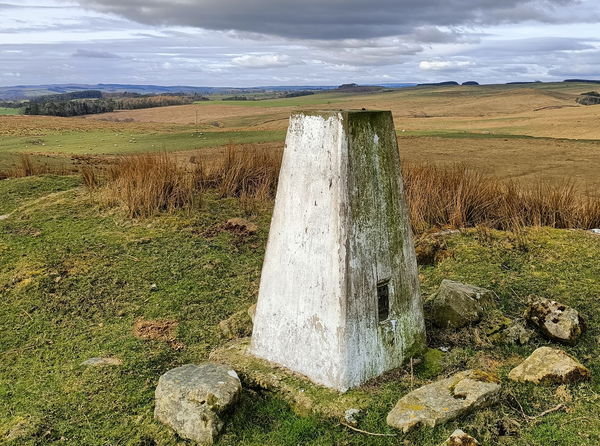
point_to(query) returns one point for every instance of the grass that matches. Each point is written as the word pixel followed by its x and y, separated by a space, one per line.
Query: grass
pixel 109 142
pixel 76 275
pixel 10 111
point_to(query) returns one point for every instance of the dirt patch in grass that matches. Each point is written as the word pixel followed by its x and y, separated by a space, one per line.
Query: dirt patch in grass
pixel 158 330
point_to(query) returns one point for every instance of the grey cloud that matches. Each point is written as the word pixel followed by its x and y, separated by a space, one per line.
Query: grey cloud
pixel 93 54
pixel 331 19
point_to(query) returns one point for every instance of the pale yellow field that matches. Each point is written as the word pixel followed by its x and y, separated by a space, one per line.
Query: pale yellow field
pixel 548 110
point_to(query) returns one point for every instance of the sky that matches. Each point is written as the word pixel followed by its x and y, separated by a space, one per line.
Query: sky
pixel 242 43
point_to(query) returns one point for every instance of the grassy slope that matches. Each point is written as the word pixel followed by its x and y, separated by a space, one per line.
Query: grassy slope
pixel 10 111
pixel 109 142
pixel 74 277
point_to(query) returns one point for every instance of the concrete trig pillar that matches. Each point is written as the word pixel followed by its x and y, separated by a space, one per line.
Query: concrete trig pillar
pixel 339 294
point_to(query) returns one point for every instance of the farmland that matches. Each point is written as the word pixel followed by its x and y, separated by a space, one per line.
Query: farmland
pixel 79 269
pixel 512 131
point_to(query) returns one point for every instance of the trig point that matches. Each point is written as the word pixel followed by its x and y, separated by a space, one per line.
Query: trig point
pixel 339 294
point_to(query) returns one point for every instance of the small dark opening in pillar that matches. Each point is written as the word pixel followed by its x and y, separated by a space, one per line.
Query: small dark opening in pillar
pixel 383 300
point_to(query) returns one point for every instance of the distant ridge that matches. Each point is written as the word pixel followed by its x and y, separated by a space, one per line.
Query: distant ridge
pixel 20 92
pixel 438 84
pixel 589 81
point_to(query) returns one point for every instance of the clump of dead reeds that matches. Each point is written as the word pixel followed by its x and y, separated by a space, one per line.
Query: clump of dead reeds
pixel 89 177
pixel 454 196
pixel 246 172
pixel 26 166
pixel 148 183
pixel 459 196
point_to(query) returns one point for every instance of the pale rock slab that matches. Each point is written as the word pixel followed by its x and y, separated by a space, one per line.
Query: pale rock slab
pixel 456 304
pixel 555 320
pixel 444 400
pixel 549 365
pixel 102 362
pixel 192 400
pixel 460 438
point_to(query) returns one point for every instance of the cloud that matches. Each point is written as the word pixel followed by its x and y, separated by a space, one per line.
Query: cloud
pixel 264 61
pixel 445 65
pixel 92 54
pixel 332 19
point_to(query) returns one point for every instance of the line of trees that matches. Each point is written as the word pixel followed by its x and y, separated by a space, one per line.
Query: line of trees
pixel 93 102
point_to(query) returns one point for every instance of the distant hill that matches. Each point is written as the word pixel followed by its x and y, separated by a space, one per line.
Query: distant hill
pixel 589 81
pixel 438 84
pixel 20 92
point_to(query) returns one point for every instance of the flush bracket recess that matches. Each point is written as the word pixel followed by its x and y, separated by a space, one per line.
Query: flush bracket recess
pixel 383 300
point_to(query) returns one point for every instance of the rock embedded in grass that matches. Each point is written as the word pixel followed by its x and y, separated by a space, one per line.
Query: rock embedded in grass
pixel 456 304
pixel 238 325
pixel 460 438
pixel 102 362
pixel 549 365
pixel 445 400
pixel 554 320
pixel 193 399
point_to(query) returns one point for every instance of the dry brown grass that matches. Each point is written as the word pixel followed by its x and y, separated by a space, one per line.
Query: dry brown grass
pixel 459 196
pixel 438 197
pixel 147 183
pixel 27 166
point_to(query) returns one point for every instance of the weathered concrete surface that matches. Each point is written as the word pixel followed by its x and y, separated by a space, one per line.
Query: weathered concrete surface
pixel 555 320
pixel 549 365
pixel 456 304
pixel 460 438
pixel 304 396
pixel 193 398
pixel 444 400
pixel 340 230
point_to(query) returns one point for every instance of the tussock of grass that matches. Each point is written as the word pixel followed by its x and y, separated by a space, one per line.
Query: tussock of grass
pixel 456 196
pixel 459 196
pixel 146 184
pixel 26 166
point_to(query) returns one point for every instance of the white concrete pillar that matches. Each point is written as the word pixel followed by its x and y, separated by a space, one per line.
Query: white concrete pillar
pixel 339 294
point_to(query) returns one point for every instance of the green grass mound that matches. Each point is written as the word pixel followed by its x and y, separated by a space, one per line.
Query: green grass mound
pixel 78 280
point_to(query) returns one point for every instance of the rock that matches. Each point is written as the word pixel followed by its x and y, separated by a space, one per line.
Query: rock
pixel 240 226
pixel 457 304
pixel 238 325
pixel 517 333
pixel 351 416
pixel 555 320
pixel 459 438
pixel 444 400
pixel 595 231
pixel 252 311
pixel 549 365
pixel 101 362
pixel 3 217
pixel 192 399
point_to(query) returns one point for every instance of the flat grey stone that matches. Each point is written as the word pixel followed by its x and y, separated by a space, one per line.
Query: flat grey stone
pixel 444 400
pixel 102 362
pixel 192 400
pixel 456 304
pixel 517 333
pixel 555 320
pixel 549 365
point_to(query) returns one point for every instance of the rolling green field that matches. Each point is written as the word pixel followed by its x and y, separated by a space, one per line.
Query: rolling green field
pixel 102 142
pixel 10 111
pixel 76 275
